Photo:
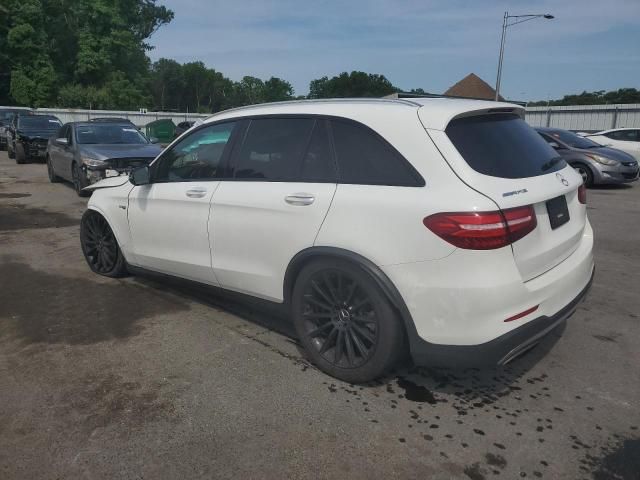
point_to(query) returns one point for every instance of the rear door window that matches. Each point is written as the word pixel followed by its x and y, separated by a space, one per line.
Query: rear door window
pixel 366 158
pixel 273 150
pixel 503 145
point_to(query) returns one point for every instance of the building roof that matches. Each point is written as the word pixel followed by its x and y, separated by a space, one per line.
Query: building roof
pixel 472 86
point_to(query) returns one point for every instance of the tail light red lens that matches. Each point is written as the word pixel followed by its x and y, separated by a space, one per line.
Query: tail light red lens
pixel 483 230
pixel 582 194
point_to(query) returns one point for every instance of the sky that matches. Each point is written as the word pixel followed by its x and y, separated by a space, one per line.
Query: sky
pixel 430 44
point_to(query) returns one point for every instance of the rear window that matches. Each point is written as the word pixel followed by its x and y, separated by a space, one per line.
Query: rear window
pixel 503 145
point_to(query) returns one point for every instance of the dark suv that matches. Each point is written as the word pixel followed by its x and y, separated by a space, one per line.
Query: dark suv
pixel 28 136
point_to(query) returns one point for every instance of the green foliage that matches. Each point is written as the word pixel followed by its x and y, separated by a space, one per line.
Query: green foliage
pixel 600 97
pixel 354 84
pixel 81 52
pixel 195 88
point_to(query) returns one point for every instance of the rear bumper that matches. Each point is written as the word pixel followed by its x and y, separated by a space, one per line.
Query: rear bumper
pixel 498 351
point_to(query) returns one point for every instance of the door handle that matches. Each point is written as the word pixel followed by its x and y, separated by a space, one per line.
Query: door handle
pixel 299 199
pixel 196 192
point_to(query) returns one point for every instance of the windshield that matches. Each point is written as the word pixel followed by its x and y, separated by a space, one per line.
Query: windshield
pixel 503 145
pixel 39 123
pixel 109 134
pixel 572 139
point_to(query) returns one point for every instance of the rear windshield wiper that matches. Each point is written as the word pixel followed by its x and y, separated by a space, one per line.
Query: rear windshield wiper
pixel 546 166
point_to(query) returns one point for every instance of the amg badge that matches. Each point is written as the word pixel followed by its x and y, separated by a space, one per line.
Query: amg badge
pixel 515 192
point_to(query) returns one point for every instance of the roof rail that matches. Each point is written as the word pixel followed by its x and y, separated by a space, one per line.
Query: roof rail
pixel 400 101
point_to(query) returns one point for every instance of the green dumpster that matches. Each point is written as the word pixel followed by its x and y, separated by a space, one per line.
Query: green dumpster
pixel 164 130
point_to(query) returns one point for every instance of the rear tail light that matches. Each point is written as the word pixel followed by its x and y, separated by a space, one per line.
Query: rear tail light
pixel 483 230
pixel 582 194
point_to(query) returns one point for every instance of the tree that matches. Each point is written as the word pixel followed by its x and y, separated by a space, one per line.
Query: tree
pixel 167 84
pixel 354 84
pixel 599 97
pixel 277 90
pixel 60 49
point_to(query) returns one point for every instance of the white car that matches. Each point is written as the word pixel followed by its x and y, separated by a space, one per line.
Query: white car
pixel 625 139
pixel 446 228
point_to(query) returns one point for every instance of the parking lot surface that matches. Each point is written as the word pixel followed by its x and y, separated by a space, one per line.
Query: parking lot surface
pixel 145 378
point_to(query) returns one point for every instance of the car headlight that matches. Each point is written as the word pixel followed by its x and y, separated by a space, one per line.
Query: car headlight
pixel 603 160
pixel 92 162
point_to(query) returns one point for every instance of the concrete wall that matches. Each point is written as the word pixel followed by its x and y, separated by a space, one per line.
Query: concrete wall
pixel 587 118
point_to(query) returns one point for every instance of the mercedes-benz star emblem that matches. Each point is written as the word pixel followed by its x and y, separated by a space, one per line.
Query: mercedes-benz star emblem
pixel 564 181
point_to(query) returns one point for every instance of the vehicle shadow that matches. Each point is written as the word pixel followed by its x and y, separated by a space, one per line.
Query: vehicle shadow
pixel 616 186
pixel 467 383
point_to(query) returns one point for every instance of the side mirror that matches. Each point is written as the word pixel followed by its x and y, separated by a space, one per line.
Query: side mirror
pixel 154 140
pixel 62 141
pixel 140 176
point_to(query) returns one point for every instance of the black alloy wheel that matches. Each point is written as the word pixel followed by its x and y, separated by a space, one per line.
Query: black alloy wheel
pixel 100 246
pixel 345 322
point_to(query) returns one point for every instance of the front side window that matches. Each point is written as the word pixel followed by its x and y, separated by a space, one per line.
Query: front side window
pixel 365 158
pixel 273 149
pixel 503 145
pixel 196 156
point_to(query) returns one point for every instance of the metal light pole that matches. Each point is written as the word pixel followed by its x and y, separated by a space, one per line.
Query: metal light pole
pixel 505 24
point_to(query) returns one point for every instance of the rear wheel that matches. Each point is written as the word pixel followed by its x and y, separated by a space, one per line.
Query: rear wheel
pixel 53 178
pixel 79 182
pixel 100 247
pixel 21 156
pixel 345 322
pixel 585 173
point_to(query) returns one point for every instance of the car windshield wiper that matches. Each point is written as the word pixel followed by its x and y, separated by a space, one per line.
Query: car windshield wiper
pixel 546 166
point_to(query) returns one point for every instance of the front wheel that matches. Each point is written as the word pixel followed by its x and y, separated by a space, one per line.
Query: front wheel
pixel 345 322
pixel 585 173
pixel 11 153
pixel 100 247
pixel 79 181
pixel 53 178
pixel 21 156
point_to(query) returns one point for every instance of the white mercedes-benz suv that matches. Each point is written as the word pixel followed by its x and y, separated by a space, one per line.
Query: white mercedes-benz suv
pixel 446 228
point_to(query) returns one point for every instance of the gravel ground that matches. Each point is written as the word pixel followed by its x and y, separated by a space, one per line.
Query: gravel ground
pixel 147 378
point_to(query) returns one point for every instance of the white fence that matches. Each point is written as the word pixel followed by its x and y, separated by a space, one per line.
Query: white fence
pixel 587 118
pixel 140 119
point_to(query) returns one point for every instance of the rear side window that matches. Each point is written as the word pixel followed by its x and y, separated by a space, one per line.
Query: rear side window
pixel 365 158
pixel 626 135
pixel 273 149
pixel 503 145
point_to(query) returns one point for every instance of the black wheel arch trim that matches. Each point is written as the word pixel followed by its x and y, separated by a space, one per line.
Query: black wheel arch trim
pixel 382 280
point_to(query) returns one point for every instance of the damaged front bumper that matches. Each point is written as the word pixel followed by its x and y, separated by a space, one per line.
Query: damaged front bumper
pixel 112 168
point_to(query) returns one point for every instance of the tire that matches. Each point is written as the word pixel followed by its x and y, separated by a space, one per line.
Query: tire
pixel 345 322
pixel 53 178
pixel 100 247
pixel 585 172
pixel 21 156
pixel 79 182
pixel 11 153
